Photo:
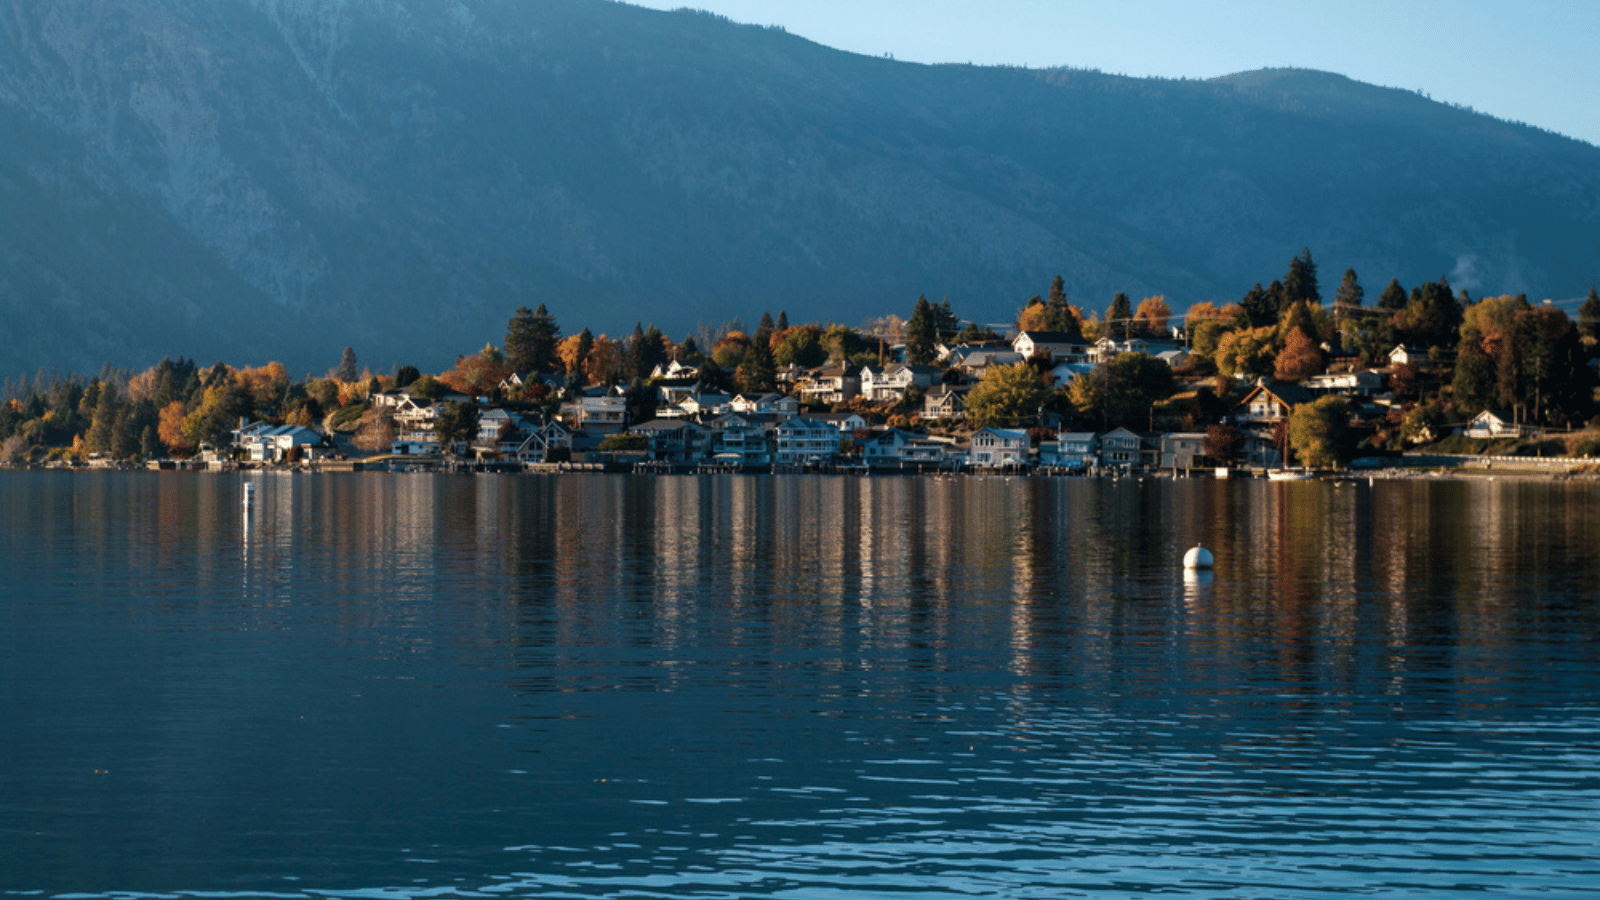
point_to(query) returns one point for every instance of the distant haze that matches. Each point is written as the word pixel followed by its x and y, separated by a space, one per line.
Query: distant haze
pixel 250 181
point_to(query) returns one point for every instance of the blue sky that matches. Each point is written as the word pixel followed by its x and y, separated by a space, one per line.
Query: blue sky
pixel 1533 61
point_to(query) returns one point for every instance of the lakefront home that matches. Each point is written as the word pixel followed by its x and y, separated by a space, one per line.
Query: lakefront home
pixel 999 448
pixel 804 440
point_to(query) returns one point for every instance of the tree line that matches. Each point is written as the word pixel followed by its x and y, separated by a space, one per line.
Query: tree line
pixel 1498 352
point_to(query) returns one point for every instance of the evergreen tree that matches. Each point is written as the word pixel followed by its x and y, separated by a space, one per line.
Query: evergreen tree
pixel 757 373
pixel 1393 296
pixel 1119 317
pixel 580 367
pixel 1259 308
pixel 1300 284
pixel 922 334
pixel 348 371
pixel 633 356
pixel 405 375
pixel 1350 291
pixel 1589 317
pixel 531 338
pixel 782 324
pixel 1058 292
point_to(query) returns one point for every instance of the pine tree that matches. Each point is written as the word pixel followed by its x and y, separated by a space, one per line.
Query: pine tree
pixel 531 338
pixel 1257 309
pixel 1589 317
pixel 1393 296
pixel 757 373
pixel 922 333
pixel 1350 291
pixel 348 371
pixel 1300 284
pixel 1119 316
pixel 783 322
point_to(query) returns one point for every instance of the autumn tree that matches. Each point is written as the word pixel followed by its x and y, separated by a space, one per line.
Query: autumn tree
pixel 1006 397
pixel 1151 318
pixel 1223 444
pixel 1299 359
pixel 1249 352
pixel 800 346
pixel 1318 432
pixel 376 432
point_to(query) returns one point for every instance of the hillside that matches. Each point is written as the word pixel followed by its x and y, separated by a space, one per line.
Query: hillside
pixel 280 179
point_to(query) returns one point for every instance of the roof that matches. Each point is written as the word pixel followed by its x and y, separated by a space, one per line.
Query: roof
pixel 1290 394
pixel 1051 337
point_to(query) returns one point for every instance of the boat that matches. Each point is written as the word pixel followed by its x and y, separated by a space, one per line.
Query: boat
pixel 1287 475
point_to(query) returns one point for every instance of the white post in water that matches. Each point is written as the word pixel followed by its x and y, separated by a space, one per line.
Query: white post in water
pixel 249 494
pixel 1198 557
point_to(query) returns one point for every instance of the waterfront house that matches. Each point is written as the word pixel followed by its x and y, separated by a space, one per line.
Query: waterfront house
pixel 1182 450
pixel 1493 423
pixel 805 440
pixel 592 418
pixel 740 440
pixel 999 448
pixel 675 440
pixel 275 443
pixel 900 449
pixel 1403 355
pixel 1071 450
pixel 542 439
pixel 1120 447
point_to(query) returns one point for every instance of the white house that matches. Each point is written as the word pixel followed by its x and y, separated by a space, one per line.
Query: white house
pixel 1497 424
pixel 803 440
pixel 891 382
pixel 1058 345
pixel 273 443
pixel 999 448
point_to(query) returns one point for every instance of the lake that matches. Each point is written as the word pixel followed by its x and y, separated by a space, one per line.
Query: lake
pixel 409 685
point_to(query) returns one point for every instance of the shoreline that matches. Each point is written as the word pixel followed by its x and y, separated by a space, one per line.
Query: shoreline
pixel 1531 469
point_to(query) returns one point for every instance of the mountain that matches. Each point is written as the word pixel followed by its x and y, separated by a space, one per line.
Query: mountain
pixel 277 179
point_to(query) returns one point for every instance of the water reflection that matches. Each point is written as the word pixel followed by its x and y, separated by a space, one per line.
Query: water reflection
pixel 675 686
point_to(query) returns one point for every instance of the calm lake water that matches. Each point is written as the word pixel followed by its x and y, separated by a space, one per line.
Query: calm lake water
pixel 398 686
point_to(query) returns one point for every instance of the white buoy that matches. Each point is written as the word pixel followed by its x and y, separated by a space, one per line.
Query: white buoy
pixel 1198 557
pixel 249 494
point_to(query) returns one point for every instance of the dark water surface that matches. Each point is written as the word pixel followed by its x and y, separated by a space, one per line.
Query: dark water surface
pixel 810 687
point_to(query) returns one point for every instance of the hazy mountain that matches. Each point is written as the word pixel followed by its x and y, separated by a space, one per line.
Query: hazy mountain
pixel 281 178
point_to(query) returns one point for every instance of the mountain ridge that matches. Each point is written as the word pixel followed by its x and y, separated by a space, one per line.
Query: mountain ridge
pixel 399 177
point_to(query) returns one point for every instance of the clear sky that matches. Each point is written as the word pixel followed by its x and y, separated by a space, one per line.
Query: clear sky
pixel 1533 61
